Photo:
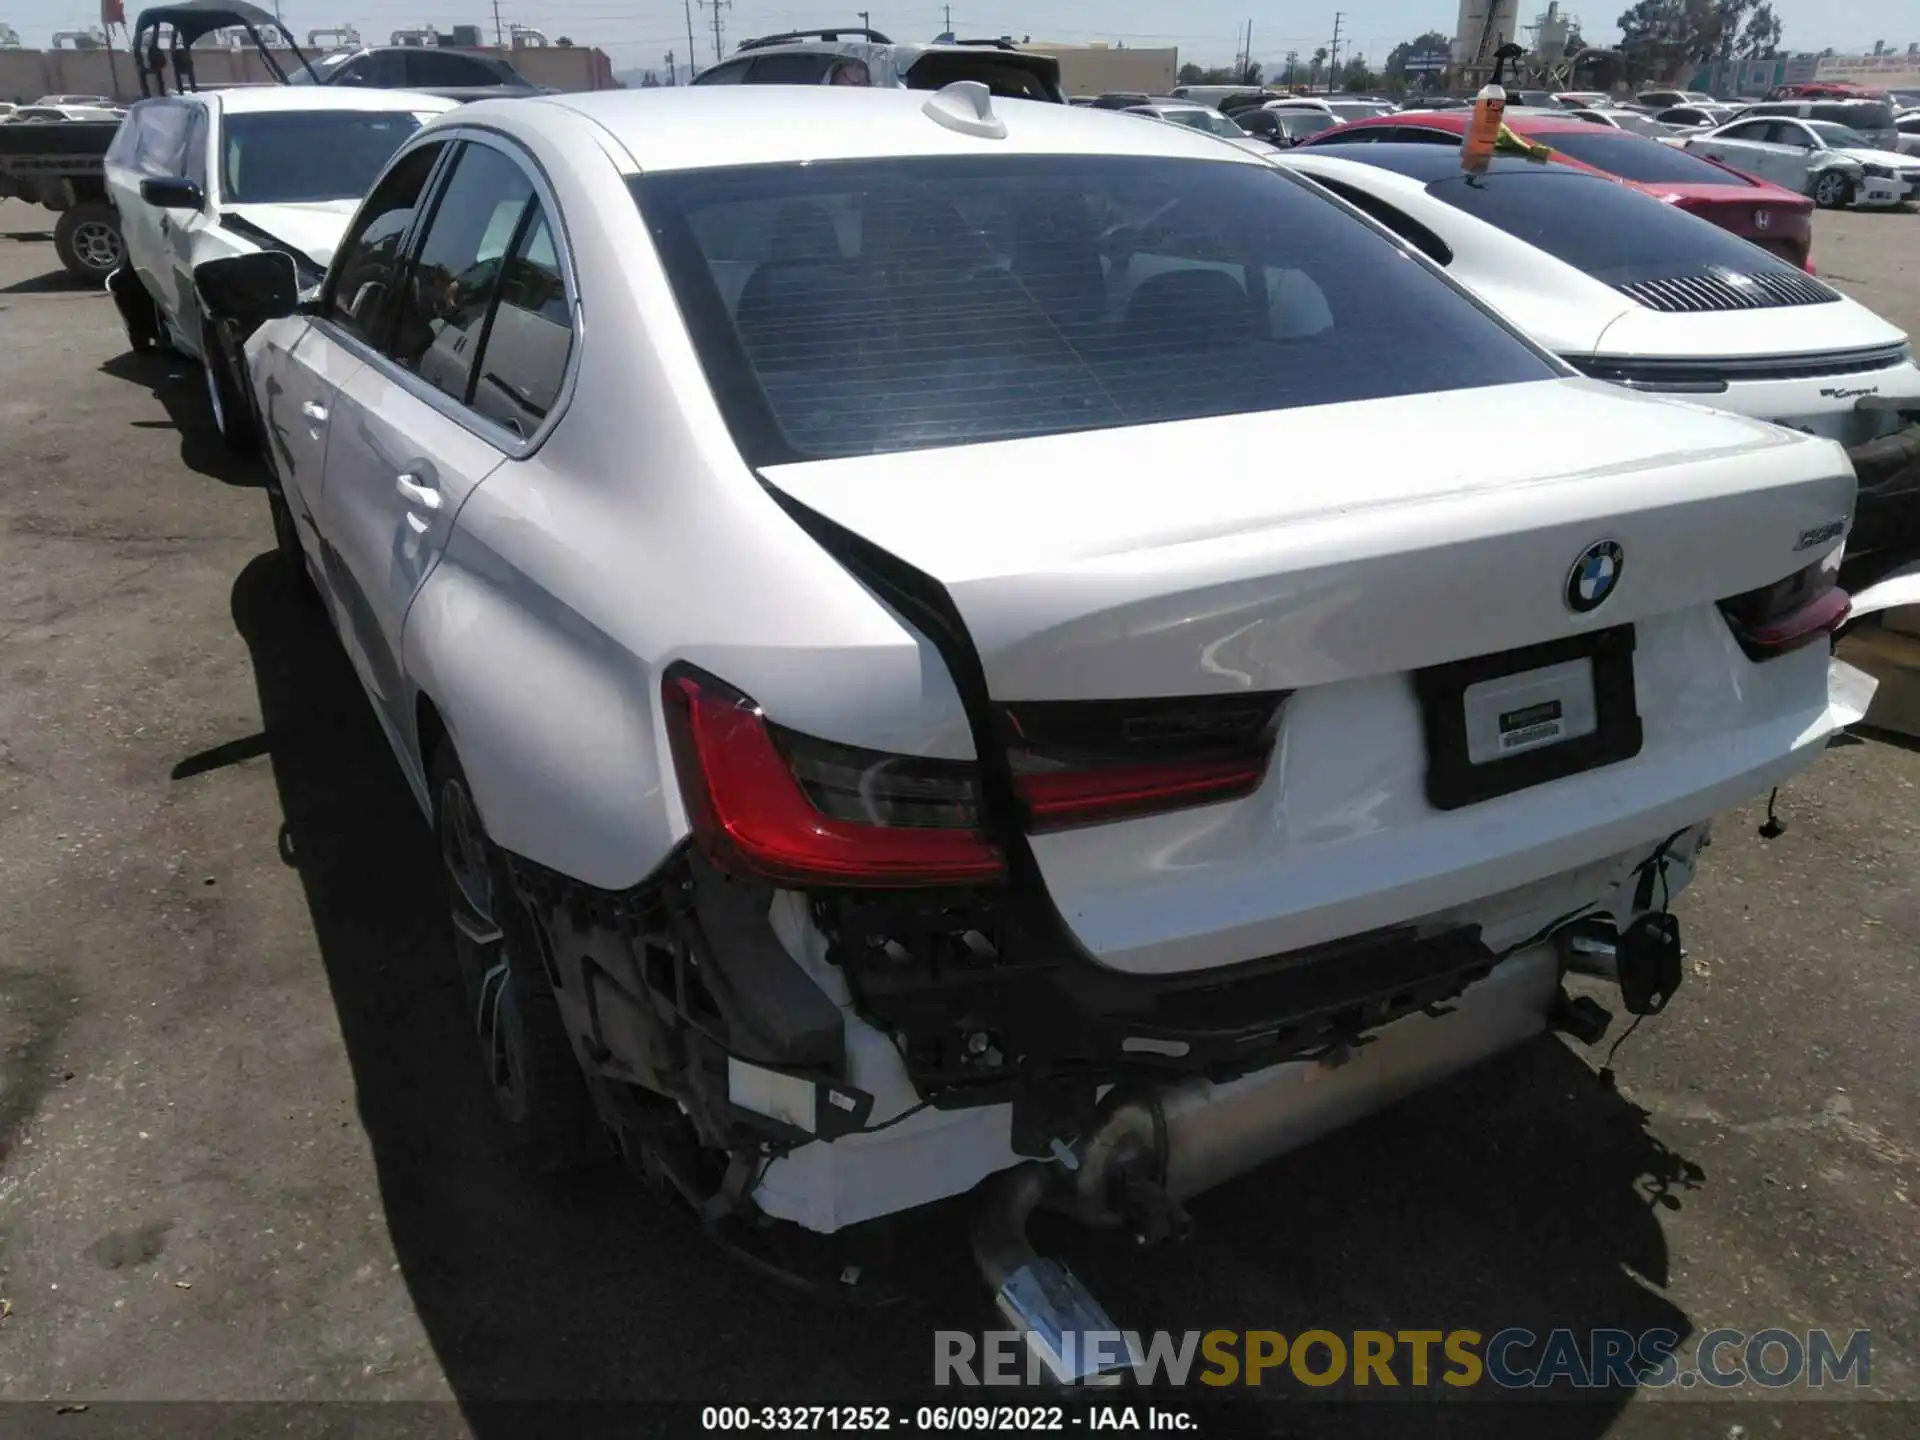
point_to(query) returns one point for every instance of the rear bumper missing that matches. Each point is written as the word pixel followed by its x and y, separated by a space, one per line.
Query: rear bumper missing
pixel 1223 1128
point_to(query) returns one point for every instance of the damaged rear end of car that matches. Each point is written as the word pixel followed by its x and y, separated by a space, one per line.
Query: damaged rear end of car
pixel 1243 787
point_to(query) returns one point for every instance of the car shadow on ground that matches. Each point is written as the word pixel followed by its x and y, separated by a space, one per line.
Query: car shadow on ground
pixel 54 282
pixel 1526 1193
pixel 180 386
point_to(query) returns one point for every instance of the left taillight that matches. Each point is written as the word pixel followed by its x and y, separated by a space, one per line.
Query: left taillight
pixel 1790 613
pixel 771 803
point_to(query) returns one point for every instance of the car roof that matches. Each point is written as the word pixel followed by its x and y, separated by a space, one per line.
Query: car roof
pixel 261 99
pixel 1544 121
pixel 697 127
pixel 1423 164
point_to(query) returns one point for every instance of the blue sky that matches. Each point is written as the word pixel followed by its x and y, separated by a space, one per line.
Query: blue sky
pixel 637 32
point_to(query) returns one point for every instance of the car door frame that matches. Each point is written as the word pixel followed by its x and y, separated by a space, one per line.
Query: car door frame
pixel 509 446
pixel 512 446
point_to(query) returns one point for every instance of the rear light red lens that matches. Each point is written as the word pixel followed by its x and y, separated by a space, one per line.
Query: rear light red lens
pixel 1091 762
pixel 1059 799
pixel 1793 612
pixel 889 820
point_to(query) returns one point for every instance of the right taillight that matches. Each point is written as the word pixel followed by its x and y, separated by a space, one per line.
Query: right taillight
pixel 1790 613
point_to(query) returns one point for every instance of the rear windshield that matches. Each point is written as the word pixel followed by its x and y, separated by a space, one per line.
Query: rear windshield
pixel 1647 162
pixel 860 307
pixel 1859 115
pixel 1005 76
pixel 1207 120
pixel 300 155
pixel 1614 234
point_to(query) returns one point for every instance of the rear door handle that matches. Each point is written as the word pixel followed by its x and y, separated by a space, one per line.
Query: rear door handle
pixel 314 411
pixel 414 493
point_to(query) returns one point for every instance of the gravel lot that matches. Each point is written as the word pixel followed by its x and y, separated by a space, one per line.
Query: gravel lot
pixel 244 1153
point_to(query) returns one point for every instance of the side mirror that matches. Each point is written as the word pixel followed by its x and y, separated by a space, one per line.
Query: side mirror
pixel 249 289
pixel 172 193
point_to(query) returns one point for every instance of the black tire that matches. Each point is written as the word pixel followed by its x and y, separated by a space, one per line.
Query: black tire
pixel 138 315
pixel 540 1096
pixel 228 395
pixel 87 240
pixel 1832 191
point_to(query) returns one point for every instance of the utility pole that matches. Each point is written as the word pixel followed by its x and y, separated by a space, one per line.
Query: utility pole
pixel 719 45
pixel 497 43
pixel 673 75
pixel 693 59
pixel 1293 58
pixel 1333 56
pixel 1246 66
pixel 949 10
pixel 866 19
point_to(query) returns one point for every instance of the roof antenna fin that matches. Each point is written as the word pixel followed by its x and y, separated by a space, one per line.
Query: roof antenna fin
pixel 965 106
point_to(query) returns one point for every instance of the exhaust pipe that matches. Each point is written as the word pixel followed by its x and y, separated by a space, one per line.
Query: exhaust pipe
pixel 1040 1298
pixel 1149 1150
pixel 1197 1134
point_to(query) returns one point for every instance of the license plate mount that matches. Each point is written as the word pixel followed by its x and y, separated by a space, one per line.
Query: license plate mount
pixel 1499 723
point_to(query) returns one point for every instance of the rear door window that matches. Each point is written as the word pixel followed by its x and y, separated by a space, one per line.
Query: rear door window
pixel 860 307
pixel 524 361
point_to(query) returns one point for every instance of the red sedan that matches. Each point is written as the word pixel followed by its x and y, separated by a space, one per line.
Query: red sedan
pixel 1768 215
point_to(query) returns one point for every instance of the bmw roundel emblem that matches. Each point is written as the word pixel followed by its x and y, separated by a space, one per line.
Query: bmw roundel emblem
pixel 1594 576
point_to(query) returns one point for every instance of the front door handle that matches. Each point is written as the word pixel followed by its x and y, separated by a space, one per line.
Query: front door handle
pixel 414 493
pixel 314 411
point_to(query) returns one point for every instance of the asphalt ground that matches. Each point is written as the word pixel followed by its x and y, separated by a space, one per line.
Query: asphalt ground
pixel 245 1154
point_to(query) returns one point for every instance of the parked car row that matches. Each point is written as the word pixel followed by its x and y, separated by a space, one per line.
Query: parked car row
pixel 862 782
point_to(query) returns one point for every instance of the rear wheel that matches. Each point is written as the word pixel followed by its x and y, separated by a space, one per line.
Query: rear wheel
pixel 1832 190
pixel 538 1091
pixel 87 240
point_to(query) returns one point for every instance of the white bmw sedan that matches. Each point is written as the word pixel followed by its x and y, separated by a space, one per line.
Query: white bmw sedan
pixel 937 631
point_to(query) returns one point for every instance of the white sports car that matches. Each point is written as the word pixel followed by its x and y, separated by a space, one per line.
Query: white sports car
pixel 873 760
pixel 201 176
pixel 1630 290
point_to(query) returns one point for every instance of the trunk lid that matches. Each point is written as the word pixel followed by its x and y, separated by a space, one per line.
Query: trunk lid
pixel 1773 219
pixel 1290 551
pixel 1173 574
